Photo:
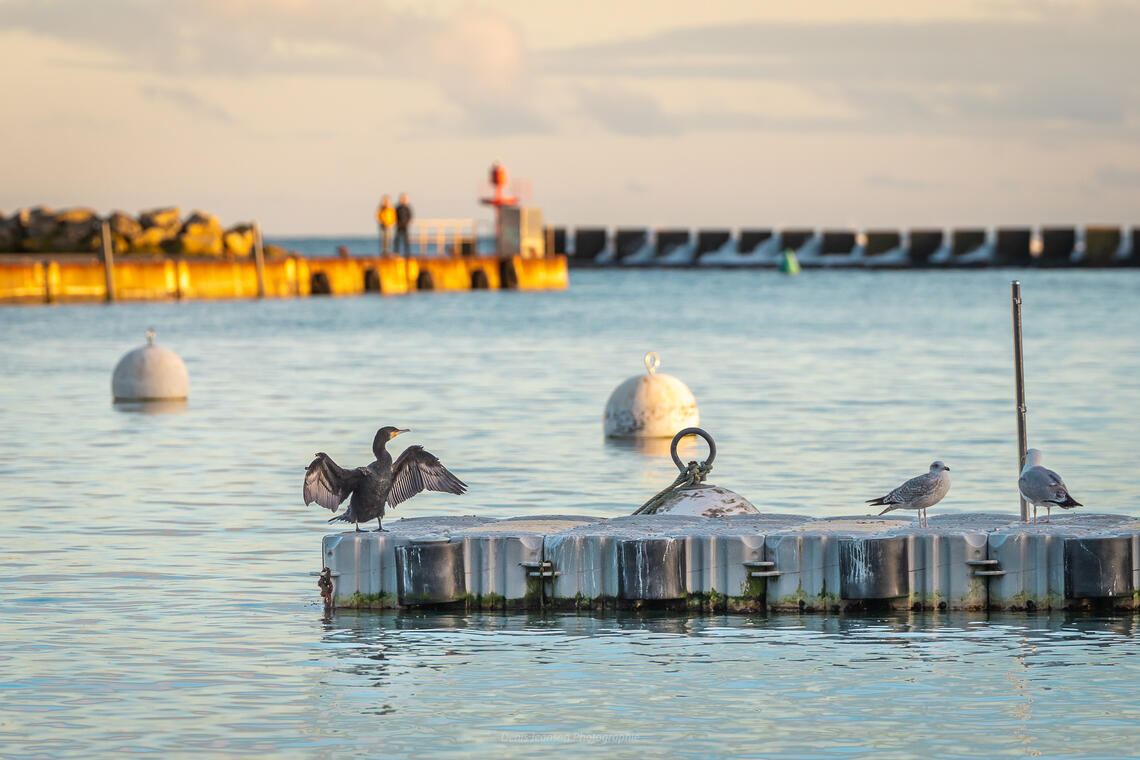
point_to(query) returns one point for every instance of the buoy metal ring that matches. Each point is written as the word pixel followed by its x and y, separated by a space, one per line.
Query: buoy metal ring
pixel 691 431
pixel 652 362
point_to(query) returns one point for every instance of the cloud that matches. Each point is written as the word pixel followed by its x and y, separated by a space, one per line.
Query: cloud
pixel 892 182
pixel 188 101
pixel 627 112
pixel 476 58
pixel 631 112
pixel 479 60
pixel 1058 68
pixel 1045 69
pixel 1118 178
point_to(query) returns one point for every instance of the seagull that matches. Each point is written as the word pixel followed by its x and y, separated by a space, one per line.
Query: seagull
pixel 1042 487
pixel 918 493
pixel 328 484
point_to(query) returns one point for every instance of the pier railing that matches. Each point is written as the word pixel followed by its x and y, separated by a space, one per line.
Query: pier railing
pixel 444 237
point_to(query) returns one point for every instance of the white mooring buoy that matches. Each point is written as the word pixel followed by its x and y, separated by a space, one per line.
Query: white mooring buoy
pixel 150 373
pixel 690 494
pixel 652 405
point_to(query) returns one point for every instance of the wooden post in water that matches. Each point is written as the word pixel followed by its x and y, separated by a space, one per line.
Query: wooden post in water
pixel 1019 385
pixel 108 262
pixel 48 295
pixel 259 259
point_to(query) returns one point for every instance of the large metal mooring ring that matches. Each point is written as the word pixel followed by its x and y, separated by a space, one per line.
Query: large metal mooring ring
pixel 691 431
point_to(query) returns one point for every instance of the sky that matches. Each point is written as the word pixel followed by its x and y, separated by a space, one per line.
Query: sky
pixel 301 113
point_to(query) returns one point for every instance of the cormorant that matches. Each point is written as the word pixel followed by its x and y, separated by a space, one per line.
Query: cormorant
pixel 917 493
pixel 328 484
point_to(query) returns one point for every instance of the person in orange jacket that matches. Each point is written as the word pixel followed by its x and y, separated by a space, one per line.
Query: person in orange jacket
pixel 386 218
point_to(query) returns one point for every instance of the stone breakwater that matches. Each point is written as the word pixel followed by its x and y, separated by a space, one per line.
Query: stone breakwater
pixel 40 230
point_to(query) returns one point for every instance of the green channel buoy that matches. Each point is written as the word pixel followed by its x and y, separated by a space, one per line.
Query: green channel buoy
pixel 789 264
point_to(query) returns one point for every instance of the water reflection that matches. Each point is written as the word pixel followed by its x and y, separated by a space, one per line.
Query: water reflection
pixel 506 681
pixel 687 447
pixel 152 407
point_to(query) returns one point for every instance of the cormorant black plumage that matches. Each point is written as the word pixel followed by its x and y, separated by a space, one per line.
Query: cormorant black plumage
pixel 380 483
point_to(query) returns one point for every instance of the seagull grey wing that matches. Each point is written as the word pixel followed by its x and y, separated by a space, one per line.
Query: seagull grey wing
pixel 417 470
pixel 1039 485
pixel 327 483
pixel 912 490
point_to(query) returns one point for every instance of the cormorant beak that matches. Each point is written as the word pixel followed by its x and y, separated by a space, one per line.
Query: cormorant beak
pixel 404 430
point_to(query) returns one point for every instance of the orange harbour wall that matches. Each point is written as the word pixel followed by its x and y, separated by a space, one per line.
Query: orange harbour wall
pixel 69 279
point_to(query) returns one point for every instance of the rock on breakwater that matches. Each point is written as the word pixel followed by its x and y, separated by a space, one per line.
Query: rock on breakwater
pixel 41 229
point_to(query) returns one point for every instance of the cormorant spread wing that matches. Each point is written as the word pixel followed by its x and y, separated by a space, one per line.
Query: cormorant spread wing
pixel 418 470
pixel 327 483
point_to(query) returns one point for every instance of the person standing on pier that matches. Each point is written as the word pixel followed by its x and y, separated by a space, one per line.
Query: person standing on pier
pixel 386 218
pixel 403 220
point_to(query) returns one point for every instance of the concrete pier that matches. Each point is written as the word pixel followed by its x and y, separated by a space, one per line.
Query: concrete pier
pixel 883 248
pixel 557 238
pixel 969 246
pixel 28 280
pixel 741 563
pixel 837 243
pixel 711 240
pixel 589 243
pixel 1101 245
pixel 880 242
pixel 630 241
pixel 922 245
pixel 1012 247
pixel 1058 245
pixel 795 239
pixel 750 239
pixel 670 242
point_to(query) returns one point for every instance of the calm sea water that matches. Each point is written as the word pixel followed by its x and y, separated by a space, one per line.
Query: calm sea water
pixel 154 583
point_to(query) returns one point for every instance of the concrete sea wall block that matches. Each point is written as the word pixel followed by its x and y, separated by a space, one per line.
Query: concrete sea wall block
pixel 364 567
pixel 711 240
pixel 651 569
pixel 430 571
pixel 1099 567
pixel 1064 563
pixel 495 568
pixel 949 566
pixel 1101 245
pixel 807 559
pixel 883 241
pixel 725 567
pixel 922 244
pixel 1034 566
pixel 809 572
pixel 718 571
pixel 586 567
pixel 585 559
pixel 589 242
pixel 364 563
pixel 628 241
pixel 939 576
pixel 873 568
pixel 750 239
pixel 1012 246
pixel 1057 246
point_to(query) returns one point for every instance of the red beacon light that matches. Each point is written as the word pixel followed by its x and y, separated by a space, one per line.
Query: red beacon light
pixel 498 177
